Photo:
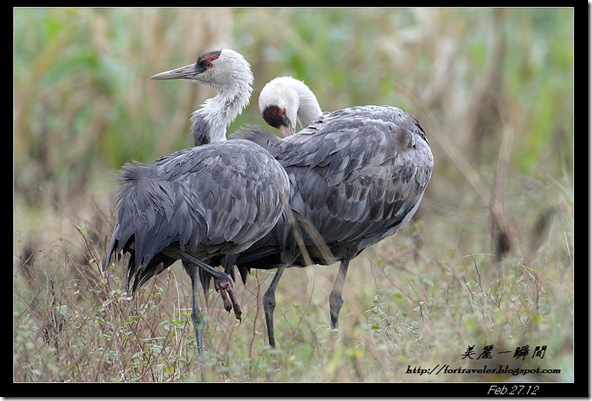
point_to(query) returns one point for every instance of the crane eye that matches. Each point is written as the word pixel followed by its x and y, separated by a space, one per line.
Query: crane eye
pixel 208 65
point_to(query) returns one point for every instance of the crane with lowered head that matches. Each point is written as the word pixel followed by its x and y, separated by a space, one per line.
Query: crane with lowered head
pixel 358 176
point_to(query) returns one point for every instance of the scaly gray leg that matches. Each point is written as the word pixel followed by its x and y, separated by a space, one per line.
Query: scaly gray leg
pixel 269 305
pixel 196 314
pixel 335 299
pixel 187 257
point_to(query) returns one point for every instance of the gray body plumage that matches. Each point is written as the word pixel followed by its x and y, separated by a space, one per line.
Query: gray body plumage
pixel 209 200
pixel 358 175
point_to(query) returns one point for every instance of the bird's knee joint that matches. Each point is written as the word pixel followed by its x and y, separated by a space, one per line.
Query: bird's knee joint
pixel 269 301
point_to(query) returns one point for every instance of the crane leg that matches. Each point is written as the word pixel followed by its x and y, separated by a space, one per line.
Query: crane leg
pixel 335 299
pixel 226 289
pixel 222 277
pixel 220 287
pixel 187 257
pixel 196 314
pixel 269 305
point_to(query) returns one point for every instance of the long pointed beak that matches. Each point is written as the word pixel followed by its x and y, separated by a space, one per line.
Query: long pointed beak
pixel 187 72
pixel 286 129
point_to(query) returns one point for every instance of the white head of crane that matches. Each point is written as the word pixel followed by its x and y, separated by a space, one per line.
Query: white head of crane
pixel 285 100
pixel 230 74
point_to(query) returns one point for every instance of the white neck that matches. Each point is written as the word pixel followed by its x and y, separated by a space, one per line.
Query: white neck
pixel 231 76
pixel 308 107
pixel 210 122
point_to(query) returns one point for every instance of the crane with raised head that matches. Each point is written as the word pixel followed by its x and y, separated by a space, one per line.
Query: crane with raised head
pixel 205 202
pixel 358 176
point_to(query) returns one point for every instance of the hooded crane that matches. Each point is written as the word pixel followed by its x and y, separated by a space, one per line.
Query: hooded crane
pixel 194 204
pixel 358 176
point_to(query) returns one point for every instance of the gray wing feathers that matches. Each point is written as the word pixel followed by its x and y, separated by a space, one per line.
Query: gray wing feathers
pixel 208 199
pixel 357 175
pixel 360 172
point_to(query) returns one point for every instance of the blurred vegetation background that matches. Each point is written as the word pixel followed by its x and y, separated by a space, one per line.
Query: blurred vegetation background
pixel 487 260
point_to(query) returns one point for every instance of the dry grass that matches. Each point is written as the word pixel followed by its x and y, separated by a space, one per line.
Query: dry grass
pixel 414 299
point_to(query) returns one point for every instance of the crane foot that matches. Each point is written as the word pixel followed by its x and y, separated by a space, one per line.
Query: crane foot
pixel 224 295
pixel 227 291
